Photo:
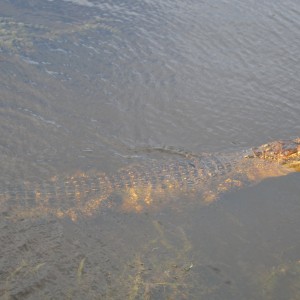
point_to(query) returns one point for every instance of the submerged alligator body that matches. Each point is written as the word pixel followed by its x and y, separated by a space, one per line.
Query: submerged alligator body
pixel 138 188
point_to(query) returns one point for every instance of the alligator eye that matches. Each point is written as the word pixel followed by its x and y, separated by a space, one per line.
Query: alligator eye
pixel 257 152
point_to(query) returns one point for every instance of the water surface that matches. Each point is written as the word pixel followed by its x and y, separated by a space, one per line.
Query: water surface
pixel 99 85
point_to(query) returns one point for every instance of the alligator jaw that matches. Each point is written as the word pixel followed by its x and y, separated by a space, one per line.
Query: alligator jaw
pixel 294 165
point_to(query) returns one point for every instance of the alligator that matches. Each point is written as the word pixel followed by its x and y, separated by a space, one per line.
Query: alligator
pixel 139 188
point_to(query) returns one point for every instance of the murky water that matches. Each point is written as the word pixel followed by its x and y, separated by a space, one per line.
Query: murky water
pixel 91 87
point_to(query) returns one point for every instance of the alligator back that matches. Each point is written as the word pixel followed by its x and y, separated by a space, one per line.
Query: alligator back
pixel 135 188
pixel 149 186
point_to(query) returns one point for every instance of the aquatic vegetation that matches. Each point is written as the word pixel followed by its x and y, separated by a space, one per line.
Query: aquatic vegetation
pixel 25 269
pixel 161 266
pixel 15 36
pixel 18 37
pixel 80 269
pixel 165 268
pixel 162 269
pixel 281 282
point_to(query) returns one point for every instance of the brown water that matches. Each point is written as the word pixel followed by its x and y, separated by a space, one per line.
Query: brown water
pixel 99 85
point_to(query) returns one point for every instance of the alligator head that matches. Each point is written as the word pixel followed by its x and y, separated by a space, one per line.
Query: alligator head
pixel 286 153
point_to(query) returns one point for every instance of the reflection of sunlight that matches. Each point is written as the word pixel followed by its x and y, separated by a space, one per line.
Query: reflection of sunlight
pixel 142 197
pixel 136 199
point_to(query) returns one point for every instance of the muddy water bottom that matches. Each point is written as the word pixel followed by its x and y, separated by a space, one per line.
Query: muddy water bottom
pixel 243 246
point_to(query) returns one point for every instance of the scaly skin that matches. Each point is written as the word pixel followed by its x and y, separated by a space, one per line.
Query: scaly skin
pixel 140 188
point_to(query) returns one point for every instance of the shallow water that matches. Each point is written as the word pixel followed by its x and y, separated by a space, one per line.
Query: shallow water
pixel 95 86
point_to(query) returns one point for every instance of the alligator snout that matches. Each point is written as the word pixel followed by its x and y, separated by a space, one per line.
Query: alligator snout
pixel 278 149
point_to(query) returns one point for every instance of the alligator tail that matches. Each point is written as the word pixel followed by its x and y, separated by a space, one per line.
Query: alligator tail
pixel 71 197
